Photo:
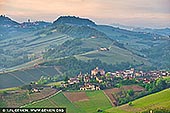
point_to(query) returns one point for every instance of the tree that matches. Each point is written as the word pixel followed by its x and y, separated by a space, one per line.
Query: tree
pixel 66 79
pixel 130 103
pixel 161 84
pixel 130 92
pixel 26 87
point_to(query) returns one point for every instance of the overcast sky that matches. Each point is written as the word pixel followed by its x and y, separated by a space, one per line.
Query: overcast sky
pixel 143 13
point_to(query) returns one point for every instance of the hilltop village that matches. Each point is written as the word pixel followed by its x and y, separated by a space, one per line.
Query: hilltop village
pixel 99 79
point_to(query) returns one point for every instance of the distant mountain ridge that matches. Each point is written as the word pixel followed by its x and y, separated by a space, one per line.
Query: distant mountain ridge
pixel 7 21
pixel 162 31
pixel 159 31
pixel 74 20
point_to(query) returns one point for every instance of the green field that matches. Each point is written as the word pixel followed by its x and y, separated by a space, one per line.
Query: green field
pixel 59 100
pixel 9 89
pixel 55 83
pixel 97 100
pixel 113 56
pixel 154 101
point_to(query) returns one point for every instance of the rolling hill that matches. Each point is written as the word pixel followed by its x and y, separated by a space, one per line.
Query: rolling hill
pixel 157 101
pixel 74 20
pixel 32 40
pixel 92 101
pixel 95 100
pixel 23 77
pixel 70 36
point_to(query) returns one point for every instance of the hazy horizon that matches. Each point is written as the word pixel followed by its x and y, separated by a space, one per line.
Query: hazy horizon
pixel 137 13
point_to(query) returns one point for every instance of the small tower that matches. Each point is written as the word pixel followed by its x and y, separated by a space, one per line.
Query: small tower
pixel 29 20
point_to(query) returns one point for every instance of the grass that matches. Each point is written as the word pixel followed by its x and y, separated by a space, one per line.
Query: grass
pixel 9 89
pixel 55 83
pixel 97 100
pixel 2 104
pixel 30 44
pixel 20 97
pixel 167 78
pixel 154 101
pixel 113 56
pixel 59 100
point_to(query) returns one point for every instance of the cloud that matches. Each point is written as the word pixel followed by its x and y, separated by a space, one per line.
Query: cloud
pixel 1 5
pixel 105 11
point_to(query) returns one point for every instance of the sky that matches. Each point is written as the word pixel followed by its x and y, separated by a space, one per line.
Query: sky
pixel 139 13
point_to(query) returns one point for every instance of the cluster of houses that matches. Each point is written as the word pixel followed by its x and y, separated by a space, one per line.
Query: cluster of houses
pixel 98 76
pixel 145 77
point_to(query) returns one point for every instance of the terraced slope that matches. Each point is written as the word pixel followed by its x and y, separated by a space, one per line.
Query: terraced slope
pixel 21 77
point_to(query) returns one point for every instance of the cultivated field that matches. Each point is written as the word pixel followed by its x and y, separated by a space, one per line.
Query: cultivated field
pixel 76 96
pixel 134 87
pixel 21 77
pixel 92 101
pixel 58 100
pixel 97 100
pixel 160 100
pixel 17 98
pixel 110 92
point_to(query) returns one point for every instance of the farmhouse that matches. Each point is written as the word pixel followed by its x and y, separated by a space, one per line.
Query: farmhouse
pixel 35 90
pixel 104 49
pixel 73 81
pixel 89 87
pixel 96 71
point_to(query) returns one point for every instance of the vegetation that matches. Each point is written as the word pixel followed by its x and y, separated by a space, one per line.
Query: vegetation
pixel 78 31
pixel 74 20
pixel 161 52
pixel 17 98
pixel 29 41
pixel 159 101
pixel 153 98
pixel 129 95
pixel 71 66
pixel 68 48
pixel 9 89
pixel 58 100
pixel 55 84
pixel 97 99
pixel 157 85
pixel 22 77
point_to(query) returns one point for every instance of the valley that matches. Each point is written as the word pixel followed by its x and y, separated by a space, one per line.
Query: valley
pixel 87 68
pixel 100 91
